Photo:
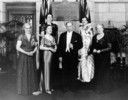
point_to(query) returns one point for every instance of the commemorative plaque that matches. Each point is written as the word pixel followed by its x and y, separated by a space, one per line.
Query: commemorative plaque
pixel 64 11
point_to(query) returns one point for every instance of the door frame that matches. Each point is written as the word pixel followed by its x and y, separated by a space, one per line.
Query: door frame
pixel 22 8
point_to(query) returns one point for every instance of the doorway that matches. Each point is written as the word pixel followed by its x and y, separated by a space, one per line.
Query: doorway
pixel 22 13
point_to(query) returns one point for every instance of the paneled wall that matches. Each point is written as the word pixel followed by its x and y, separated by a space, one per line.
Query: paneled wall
pixel 113 12
pixel 102 11
pixel 126 13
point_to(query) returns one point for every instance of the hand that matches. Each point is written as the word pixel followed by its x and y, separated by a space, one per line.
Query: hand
pixel 60 59
pixel 98 51
pixel 30 53
pixel 71 46
pixel 60 65
pixel 94 51
pixel 53 50
pixel 36 43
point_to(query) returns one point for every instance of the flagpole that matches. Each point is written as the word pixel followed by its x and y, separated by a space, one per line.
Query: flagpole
pixel 38 37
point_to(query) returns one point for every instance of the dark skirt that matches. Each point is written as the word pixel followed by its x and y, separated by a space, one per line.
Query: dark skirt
pixel 102 72
pixel 26 74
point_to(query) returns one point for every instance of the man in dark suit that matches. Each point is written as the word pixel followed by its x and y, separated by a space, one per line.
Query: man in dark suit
pixel 69 44
pixel 49 21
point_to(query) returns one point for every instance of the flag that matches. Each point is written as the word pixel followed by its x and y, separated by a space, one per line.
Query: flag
pixel 84 10
pixel 44 10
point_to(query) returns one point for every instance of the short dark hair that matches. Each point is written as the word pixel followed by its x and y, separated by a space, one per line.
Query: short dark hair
pixel 86 18
pixel 49 14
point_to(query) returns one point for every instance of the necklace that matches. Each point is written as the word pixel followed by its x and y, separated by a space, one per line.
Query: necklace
pixel 100 36
pixel 28 36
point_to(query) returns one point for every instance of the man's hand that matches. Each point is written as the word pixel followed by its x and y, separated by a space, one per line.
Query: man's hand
pixel 71 46
pixel 60 59
pixel 60 63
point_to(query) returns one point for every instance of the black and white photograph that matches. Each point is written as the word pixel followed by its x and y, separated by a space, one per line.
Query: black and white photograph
pixel 63 49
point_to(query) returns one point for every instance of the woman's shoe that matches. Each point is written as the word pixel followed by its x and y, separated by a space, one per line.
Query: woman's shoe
pixel 37 93
pixel 52 90
pixel 48 91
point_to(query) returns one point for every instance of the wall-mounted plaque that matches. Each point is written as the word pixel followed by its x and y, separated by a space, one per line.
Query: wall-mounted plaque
pixel 63 11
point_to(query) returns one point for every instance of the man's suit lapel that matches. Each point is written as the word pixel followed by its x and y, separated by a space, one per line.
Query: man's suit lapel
pixel 65 38
pixel 72 38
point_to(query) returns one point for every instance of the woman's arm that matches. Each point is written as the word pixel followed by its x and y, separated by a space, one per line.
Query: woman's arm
pixel 54 49
pixel 42 47
pixel 108 48
pixel 18 48
pixel 35 49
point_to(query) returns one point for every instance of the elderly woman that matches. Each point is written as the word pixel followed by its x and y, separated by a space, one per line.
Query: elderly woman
pixel 26 70
pixel 101 47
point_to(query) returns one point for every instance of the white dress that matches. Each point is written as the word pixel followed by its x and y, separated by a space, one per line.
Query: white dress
pixel 86 64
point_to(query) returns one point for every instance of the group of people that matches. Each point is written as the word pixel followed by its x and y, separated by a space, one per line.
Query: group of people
pixel 83 56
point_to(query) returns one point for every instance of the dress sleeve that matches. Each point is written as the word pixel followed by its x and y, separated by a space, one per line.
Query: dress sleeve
pixel 20 38
pixel 109 45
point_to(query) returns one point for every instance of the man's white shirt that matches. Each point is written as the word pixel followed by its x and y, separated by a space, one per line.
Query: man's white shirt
pixel 69 36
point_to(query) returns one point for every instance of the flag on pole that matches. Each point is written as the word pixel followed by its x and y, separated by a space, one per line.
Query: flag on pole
pixel 84 10
pixel 44 10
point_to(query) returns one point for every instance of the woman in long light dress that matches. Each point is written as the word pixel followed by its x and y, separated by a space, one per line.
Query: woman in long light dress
pixel 48 45
pixel 86 64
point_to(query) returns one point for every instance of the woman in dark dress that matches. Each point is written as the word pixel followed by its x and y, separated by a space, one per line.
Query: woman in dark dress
pixel 101 47
pixel 26 70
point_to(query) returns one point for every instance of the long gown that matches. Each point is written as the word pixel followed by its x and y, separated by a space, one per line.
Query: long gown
pixel 47 60
pixel 86 64
pixel 102 62
pixel 26 70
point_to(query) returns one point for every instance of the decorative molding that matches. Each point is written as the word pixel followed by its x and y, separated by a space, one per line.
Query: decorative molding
pixel 19 5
